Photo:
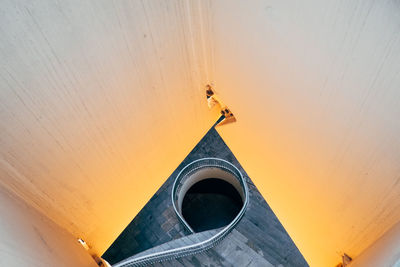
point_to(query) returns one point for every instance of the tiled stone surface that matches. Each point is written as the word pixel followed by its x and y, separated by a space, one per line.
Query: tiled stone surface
pixel 258 240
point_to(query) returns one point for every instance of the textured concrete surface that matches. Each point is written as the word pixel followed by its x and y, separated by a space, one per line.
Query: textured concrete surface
pixel 94 93
pixel 99 102
pixel 30 239
pixel 258 240
pixel 315 89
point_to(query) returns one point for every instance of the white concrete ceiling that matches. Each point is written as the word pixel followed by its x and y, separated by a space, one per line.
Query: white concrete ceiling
pixel 101 100
pixel 315 88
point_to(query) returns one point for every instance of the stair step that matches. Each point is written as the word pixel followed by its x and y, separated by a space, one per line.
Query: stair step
pixel 177 243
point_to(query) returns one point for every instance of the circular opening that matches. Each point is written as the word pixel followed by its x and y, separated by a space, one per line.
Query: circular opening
pixel 211 203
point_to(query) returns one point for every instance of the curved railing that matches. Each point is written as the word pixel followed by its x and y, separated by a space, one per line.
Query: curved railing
pixel 206 244
pixel 195 166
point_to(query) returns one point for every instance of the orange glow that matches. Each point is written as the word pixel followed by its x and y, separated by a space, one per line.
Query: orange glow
pixel 113 103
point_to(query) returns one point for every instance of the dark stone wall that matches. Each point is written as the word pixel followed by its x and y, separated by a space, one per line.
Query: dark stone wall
pixel 258 240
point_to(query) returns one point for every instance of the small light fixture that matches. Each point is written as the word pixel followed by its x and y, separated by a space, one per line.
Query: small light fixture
pixel 83 243
pixel 214 100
